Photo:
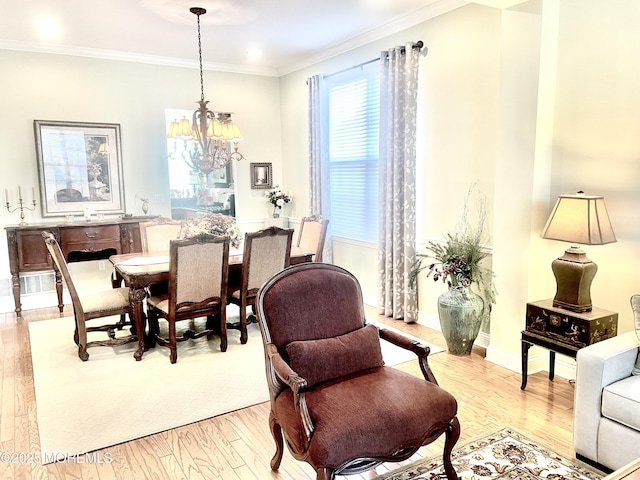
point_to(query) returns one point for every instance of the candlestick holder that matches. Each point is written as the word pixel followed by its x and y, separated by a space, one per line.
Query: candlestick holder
pixel 22 207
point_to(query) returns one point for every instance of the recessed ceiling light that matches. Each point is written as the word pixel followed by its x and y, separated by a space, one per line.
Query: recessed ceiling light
pixel 254 52
pixel 48 27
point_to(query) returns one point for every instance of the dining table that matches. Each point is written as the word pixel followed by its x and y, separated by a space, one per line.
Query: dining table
pixel 141 270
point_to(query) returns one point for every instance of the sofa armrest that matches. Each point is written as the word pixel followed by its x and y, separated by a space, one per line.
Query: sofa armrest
pixel 597 366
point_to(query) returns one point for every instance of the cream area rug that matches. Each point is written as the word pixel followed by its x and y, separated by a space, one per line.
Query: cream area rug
pixel 111 398
pixel 506 455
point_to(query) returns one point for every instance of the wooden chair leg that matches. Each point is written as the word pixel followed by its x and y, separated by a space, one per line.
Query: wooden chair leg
pixel 81 330
pixel 276 431
pixel 154 327
pixel 173 342
pixel 82 353
pixel 223 329
pixel 244 336
pixel 452 435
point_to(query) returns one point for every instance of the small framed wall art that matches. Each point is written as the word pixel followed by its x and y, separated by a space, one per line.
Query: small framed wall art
pixel 261 175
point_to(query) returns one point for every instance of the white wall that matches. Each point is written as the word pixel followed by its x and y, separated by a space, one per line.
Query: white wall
pixel 457 129
pixel 585 138
pixel 597 140
pixel 58 87
pixel 532 102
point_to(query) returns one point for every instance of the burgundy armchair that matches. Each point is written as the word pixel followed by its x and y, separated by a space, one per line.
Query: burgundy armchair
pixel 339 408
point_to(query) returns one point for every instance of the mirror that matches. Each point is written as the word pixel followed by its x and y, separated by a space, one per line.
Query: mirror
pixel 192 192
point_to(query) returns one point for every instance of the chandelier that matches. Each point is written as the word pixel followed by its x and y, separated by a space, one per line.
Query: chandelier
pixel 215 136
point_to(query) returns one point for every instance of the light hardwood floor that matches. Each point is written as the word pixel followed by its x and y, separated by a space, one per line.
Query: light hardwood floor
pixel 239 445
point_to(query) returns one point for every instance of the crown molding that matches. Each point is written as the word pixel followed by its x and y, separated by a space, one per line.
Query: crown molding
pixel 433 10
pixel 427 13
pixel 57 49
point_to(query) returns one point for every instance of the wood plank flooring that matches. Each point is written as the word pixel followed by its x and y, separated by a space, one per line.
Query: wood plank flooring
pixel 239 446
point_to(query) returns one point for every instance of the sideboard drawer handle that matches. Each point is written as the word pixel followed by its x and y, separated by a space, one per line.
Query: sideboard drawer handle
pixel 91 235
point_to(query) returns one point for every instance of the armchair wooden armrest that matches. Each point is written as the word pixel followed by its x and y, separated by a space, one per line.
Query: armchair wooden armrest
pixel 285 375
pixel 421 350
pixel 280 367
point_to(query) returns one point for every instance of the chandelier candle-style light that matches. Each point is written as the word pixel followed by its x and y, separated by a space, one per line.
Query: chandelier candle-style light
pixel 215 137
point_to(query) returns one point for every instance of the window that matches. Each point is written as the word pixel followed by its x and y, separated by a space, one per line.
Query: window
pixel 353 131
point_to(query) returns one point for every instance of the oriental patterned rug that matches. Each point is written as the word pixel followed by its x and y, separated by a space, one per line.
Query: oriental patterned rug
pixel 506 455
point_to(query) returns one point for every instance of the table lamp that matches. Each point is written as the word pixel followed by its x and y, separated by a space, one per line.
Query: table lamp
pixel 579 219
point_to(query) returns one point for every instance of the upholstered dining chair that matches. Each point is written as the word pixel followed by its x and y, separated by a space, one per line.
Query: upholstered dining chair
pixel 198 275
pixel 89 306
pixel 265 253
pixel 313 231
pixel 338 406
pixel 156 234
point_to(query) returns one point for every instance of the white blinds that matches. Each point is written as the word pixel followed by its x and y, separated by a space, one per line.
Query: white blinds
pixel 354 128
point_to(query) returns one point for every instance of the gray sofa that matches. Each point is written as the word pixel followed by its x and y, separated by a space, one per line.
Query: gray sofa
pixel 606 413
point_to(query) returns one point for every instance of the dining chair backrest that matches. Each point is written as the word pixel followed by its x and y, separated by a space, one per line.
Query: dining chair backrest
pixel 198 272
pixel 156 234
pixel 266 252
pixel 313 231
pixel 91 305
pixel 61 265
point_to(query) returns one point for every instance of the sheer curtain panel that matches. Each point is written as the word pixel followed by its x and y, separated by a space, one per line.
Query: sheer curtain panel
pixel 315 144
pixel 318 186
pixel 397 184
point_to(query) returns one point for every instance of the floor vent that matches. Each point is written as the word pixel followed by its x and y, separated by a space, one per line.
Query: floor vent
pixel 41 282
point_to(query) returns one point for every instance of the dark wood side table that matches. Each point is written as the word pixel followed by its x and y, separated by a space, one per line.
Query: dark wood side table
pixel 563 331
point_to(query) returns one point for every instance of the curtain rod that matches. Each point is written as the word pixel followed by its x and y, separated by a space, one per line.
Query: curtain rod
pixel 416 46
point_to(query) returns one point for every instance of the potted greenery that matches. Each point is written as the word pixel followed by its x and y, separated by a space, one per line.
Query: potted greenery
pixel 458 262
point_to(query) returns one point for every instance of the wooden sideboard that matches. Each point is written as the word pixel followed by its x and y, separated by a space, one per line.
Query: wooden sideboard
pixel 79 241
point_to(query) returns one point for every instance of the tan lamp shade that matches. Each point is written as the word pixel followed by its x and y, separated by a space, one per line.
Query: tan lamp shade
pixel 579 219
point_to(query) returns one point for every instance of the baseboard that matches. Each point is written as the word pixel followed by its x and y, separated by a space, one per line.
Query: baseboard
pixel 565 367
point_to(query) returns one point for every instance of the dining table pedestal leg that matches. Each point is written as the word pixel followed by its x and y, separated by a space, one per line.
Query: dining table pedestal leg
pixel 136 298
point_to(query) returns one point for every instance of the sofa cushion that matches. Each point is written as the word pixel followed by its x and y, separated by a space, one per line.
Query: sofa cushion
pixel 324 359
pixel 621 402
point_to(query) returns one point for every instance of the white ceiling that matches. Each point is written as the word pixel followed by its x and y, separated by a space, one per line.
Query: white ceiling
pixel 289 33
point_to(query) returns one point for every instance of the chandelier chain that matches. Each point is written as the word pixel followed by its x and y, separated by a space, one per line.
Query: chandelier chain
pixel 214 135
pixel 200 59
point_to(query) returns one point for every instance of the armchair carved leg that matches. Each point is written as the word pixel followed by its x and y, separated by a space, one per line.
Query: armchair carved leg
pixel 452 435
pixel 276 431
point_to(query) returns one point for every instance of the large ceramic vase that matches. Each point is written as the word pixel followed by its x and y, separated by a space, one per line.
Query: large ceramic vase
pixel 460 311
